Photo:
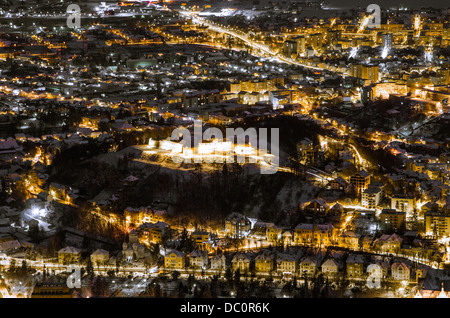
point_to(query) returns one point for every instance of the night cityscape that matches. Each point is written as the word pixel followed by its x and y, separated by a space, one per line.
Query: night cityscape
pixel 238 149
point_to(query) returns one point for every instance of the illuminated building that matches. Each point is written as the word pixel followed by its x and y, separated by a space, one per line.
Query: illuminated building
pixel 389 243
pixel 331 267
pixel 49 290
pixel 286 263
pixel 315 234
pixel 349 240
pixel 370 197
pixel 355 266
pixel 437 224
pixel 307 151
pixel 218 262
pixel 242 262
pixel 100 257
pixel 237 225
pixel 387 40
pixel 141 215
pixel 400 271
pixel 69 255
pixel 264 262
pixel 360 181
pixel 198 259
pixel 391 219
pixel 367 72
pixel 175 260
pixel 307 267
pixel 403 203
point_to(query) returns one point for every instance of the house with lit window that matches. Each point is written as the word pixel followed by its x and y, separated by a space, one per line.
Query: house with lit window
pixel 307 266
pixel 100 257
pixel 241 261
pixel 371 197
pixel 403 203
pixel 360 181
pixel 286 238
pixel 338 184
pixel 389 243
pixel 152 232
pixel 202 239
pixel 265 231
pixel 137 216
pixel 175 260
pixel 69 255
pixel 349 239
pixel 317 207
pixel 355 266
pixel 218 262
pixel 400 271
pixel 331 267
pixel 133 250
pixel 264 262
pixel 237 225
pixel 198 259
pixel 314 234
pixel 287 263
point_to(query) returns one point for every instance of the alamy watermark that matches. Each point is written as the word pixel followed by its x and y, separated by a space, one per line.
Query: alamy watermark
pixel 210 146
pixel 74 279
pixel 74 18
pixel 375 14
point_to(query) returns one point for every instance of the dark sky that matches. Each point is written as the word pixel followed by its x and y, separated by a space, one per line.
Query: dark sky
pixel 415 4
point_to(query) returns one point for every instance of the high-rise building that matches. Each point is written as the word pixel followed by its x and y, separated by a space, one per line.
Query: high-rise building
pixel 301 44
pixel 437 224
pixel 388 40
pixel 368 72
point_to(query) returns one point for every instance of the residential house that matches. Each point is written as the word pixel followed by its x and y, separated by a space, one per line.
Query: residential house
pixel 392 220
pixel 264 262
pixel 286 263
pixel 389 243
pixel 331 267
pixel 241 261
pixel 100 257
pixel 69 255
pixel 317 207
pixel 202 239
pixel 218 262
pixel 355 266
pixel 152 232
pixel 403 203
pixel 175 260
pixel 349 239
pixel 360 181
pixel 400 271
pixel 307 266
pixel 198 259
pixel 314 234
pixel 237 225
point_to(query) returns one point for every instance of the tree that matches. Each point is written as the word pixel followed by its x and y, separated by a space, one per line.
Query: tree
pixel 90 268
pixel 228 275
pixel 24 268
pixel 175 275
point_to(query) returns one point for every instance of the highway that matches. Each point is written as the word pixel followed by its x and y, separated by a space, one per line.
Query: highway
pixel 243 37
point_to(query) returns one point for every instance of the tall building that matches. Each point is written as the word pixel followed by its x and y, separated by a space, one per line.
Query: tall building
pixel 360 181
pixel 301 44
pixel 365 71
pixel 403 203
pixel 371 197
pixel 388 40
pixel 289 48
pixel 437 224
pixel 391 219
